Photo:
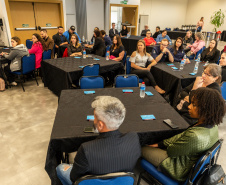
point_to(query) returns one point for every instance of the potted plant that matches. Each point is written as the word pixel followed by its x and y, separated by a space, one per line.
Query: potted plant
pixel 217 19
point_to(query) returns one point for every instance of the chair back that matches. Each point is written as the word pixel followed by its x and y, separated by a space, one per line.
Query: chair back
pixel 121 178
pixel 28 64
pixel 204 161
pixel 128 65
pixel 29 44
pixel 107 49
pixel 124 59
pixel 199 52
pixel 65 54
pixel 91 82
pixel 223 90
pixel 131 80
pixel 91 70
pixel 46 54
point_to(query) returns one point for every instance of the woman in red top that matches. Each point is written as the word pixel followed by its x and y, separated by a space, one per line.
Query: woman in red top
pixel 149 40
pixel 37 48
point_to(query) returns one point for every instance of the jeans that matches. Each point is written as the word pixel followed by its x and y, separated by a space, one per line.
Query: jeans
pixel 64 176
pixel 199 29
pixel 10 76
pixel 191 57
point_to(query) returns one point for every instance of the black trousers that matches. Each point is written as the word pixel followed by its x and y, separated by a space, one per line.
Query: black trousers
pixel 10 76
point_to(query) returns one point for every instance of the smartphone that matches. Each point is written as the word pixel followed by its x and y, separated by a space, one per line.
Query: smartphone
pixel 88 130
pixel 170 123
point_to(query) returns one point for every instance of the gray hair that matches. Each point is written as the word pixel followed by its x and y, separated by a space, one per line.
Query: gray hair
pixel 110 110
pixel 199 35
pixel 215 71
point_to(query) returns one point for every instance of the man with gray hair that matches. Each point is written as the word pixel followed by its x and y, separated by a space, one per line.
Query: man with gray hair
pixel 111 151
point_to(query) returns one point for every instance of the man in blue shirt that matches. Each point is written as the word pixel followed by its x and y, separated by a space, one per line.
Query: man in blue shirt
pixel 163 36
pixel 161 53
pixel 69 33
pixel 106 38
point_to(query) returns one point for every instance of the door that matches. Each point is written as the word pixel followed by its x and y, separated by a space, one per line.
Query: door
pixel 22 15
pixel 143 19
pixel 47 17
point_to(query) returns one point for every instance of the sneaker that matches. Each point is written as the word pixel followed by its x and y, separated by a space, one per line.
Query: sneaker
pixel 13 84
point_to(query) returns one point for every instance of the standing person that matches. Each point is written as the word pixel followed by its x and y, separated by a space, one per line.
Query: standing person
pixel 163 36
pixel 69 33
pixel 223 66
pixel 74 48
pixel 177 50
pixel 117 50
pixel 141 63
pixel 124 31
pixel 188 38
pixel 200 24
pixel 211 54
pixel 110 152
pixel 149 40
pixel 106 38
pixel 15 55
pixel 113 31
pixel 176 156
pixel 161 53
pixel 37 48
pixel 49 43
pixel 157 32
pixel 143 33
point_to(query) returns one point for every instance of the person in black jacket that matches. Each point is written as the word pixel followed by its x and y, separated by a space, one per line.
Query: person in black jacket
pixel 211 54
pixel 223 66
pixel 99 46
pixel 143 33
pixel 211 78
pixel 111 151
pixel 124 31
pixel 59 38
pixel 157 32
pixel 113 31
pixel 188 38
pixel 177 50
pixel 74 48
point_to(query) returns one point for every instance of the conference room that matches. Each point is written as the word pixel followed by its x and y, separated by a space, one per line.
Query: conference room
pixel 112 92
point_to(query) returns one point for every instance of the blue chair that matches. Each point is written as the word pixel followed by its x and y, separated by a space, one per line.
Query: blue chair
pixel 223 90
pixel 107 49
pixel 29 44
pixel 27 66
pixel 128 68
pixel 168 29
pixel 91 70
pixel 91 82
pixel 121 178
pixel 46 54
pixel 131 80
pixel 218 62
pixel 199 52
pixel 201 165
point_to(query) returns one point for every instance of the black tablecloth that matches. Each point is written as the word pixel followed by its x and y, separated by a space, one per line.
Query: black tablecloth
pixel 223 36
pixel 67 134
pixel 58 74
pixel 175 34
pixel 130 44
pixel 173 81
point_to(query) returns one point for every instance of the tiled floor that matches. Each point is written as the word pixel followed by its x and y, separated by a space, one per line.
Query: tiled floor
pixel 26 120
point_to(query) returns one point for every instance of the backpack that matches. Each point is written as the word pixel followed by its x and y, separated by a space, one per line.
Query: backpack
pixel 2 84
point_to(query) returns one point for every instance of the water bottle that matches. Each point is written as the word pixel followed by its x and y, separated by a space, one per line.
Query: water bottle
pixel 84 54
pixel 142 90
pixel 107 55
pixel 182 63
pixel 207 62
pixel 199 56
pixel 83 39
pixel 128 35
pixel 196 67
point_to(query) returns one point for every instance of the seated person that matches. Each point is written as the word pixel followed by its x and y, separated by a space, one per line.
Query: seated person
pixel 176 156
pixel 99 45
pixel 196 46
pixel 93 37
pixel 111 151
pixel 149 40
pixel 59 38
pixel 211 54
pixel 124 31
pixel 74 48
pixel 69 33
pixel 157 32
pixel 143 33
pixel 106 38
pixel 188 38
pixel 37 48
pixel 223 66
pixel 16 53
pixel 141 63
pixel 48 41
pixel 177 50
pixel 117 50
pixel 211 78
pixel 162 36
pixel 161 53
pixel 113 31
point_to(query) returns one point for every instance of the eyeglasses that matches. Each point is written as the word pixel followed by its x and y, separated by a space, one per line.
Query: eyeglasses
pixel 206 74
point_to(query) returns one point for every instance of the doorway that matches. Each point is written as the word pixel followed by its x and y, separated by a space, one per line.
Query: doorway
pixel 124 15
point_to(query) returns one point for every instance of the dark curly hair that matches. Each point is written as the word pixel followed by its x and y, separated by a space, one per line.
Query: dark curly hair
pixel 211 105
pixel 41 41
